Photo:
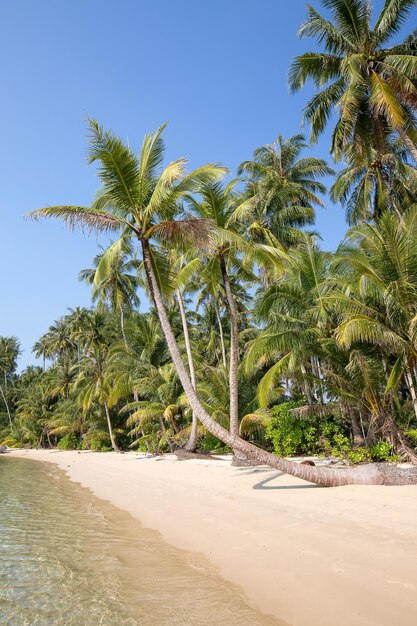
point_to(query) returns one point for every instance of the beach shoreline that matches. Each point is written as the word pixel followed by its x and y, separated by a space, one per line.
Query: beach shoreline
pixel 304 554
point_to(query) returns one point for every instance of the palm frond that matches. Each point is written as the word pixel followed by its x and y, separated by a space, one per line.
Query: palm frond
pixel 82 217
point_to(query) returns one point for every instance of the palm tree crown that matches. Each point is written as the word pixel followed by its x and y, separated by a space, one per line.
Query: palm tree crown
pixel 372 85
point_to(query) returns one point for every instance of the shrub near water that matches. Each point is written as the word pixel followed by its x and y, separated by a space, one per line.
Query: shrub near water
pixel 292 436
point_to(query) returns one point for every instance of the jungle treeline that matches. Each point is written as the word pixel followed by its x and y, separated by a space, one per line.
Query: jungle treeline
pixel 256 340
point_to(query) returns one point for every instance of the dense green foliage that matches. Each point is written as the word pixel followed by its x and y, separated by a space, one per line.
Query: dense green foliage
pixel 302 350
pixel 292 435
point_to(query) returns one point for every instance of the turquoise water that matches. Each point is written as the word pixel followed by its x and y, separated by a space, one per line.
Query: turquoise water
pixel 66 558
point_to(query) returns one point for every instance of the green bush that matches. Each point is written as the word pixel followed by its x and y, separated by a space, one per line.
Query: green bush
pixel 380 451
pixel 292 436
pixel 69 442
pixel 210 443
pixel 361 455
pixel 100 446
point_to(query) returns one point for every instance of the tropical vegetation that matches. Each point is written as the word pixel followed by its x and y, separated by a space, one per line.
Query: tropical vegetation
pixel 256 340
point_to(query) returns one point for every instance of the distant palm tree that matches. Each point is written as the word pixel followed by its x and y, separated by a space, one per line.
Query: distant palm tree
pixel 115 283
pixel 281 191
pixel 371 184
pixel 372 87
pixel 9 354
pixel 92 386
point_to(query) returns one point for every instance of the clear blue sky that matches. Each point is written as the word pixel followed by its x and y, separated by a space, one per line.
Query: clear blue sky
pixel 215 70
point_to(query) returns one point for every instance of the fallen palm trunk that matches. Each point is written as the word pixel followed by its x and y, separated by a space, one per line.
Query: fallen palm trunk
pixel 372 474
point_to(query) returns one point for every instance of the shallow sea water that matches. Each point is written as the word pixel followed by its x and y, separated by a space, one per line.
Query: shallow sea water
pixel 67 558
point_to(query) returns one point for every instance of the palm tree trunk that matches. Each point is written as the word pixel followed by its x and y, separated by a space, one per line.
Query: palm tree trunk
pixel 191 444
pixel 411 388
pixel 234 351
pixel 122 326
pixel 379 133
pixel 307 389
pixel 219 322
pixel 409 143
pixel 113 443
pixel 7 406
pixel 371 474
pixel 136 398
pixel 357 435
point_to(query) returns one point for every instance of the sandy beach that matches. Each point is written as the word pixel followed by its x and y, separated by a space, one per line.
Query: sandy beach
pixel 306 555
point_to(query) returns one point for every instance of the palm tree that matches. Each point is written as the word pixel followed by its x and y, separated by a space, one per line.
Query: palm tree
pixel 281 191
pixel 9 354
pixel 295 326
pixel 217 204
pixel 93 386
pixel 33 411
pixel 57 342
pixel 138 197
pixel 370 184
pixel 161 409
pixel 113 282
pixel 372 85
pixel 380 308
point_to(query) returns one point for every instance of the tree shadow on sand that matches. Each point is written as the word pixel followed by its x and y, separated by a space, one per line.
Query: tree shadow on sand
pixel 264 486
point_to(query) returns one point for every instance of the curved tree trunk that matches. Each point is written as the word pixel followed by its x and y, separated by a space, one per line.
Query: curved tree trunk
pixel 191 444
pixel 113 443
pixel 371 474
pixel 219 322
pixel 234 351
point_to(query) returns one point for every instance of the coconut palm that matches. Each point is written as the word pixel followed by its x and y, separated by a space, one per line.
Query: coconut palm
pixel 371 184
pixel 296 323
pixel 381 266
pixel 161 409
pixel 9 354
pixel 33 411
pixel 217 204
pixel 92 386
pixel 58 342
pixel 115 283
pixel 372 86
pixel 281 191
pixel 138 197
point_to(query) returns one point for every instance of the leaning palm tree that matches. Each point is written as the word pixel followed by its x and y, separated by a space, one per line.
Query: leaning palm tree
pixel 372 86
pixel 139 197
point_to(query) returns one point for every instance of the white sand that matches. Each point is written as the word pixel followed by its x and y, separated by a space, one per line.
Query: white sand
pixel 342 557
